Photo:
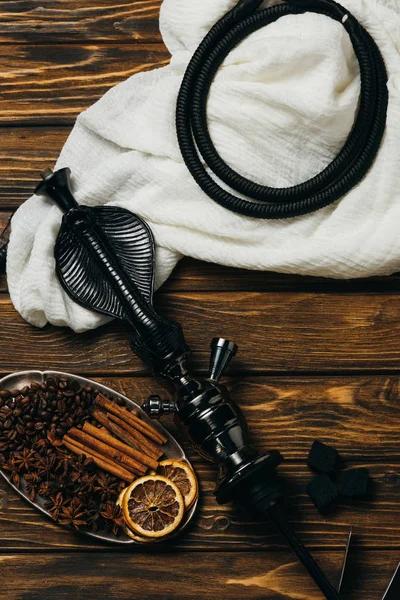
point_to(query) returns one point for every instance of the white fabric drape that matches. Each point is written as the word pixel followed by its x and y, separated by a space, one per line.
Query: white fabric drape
pixel 280 109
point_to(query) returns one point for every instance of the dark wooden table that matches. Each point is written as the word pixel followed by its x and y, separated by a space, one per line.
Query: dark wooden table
pixel 318 359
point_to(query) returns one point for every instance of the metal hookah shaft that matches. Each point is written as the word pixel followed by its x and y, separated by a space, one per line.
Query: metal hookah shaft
pixel 105 261
pixel 303 554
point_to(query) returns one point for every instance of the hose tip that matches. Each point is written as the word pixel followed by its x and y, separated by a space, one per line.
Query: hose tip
pixel 46 173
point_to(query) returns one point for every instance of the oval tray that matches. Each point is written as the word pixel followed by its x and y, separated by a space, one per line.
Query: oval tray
pixel 171 449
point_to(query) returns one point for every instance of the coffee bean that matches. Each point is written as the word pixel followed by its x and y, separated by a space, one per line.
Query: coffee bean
pixel 25 390
pixel 55 419
pixel 4 394
pixel 61 406
pixel 60 432
pixel 20 429
pixel 26 418
pixel 7 424
pixel 35 386
pixel 42 404
pixel 30 426
pixel 17 412
pixel 39 426
pixel 45 415
pixel 25 401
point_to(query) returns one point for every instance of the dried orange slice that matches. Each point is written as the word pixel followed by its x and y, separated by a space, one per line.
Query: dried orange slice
pixel 153 506
pixel 129 533
pixel 183 476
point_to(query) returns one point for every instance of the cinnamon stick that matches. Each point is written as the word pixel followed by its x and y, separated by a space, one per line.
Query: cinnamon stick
pixel 107 438
pixel 120 432
pixel 128 417
pixel 107 451
pixel 102 463
pixel 144 443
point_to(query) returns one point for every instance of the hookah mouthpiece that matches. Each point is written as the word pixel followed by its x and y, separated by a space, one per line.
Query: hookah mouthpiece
pixel 105 262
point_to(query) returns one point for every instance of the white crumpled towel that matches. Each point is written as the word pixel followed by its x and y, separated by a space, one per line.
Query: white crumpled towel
pixel 280 109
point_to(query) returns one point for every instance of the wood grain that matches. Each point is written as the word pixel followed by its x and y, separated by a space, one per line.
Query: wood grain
pixel 27 21
pixel 357 415
pixel 376 521
pixel 294 333
pixel 24 154
pixel 58 58
pixel 235 576
pixel 53 84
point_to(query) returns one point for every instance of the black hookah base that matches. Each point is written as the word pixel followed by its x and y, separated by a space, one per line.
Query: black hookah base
pixel 254 485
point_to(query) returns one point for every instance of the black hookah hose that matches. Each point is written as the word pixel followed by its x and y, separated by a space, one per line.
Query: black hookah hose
pixel 338 178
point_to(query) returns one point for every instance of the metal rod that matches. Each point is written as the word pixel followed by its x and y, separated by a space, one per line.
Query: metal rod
pixel 303 554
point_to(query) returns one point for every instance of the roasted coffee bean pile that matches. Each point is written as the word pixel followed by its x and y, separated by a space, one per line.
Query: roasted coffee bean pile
pixel 33 421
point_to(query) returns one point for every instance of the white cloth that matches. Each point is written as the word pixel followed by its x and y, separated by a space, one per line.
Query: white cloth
pixel 280 109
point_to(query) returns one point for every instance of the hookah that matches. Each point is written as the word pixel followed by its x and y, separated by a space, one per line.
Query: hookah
pixel 105 257
pixel 105 262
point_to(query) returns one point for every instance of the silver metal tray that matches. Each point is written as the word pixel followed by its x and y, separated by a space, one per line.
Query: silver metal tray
pixel 171 449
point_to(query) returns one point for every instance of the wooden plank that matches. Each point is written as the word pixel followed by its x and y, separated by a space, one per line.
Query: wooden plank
pixel 195 275
pixel 26 21
pixel 290 333
pixel 24 154
pixel 53 84
pixel 357 415
pixel 230 576
pixel 376 522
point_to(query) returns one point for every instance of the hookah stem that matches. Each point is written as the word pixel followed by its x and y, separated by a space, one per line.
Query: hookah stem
pixel 303 554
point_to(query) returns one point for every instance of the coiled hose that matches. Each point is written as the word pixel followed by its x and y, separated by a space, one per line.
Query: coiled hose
pixel 338 178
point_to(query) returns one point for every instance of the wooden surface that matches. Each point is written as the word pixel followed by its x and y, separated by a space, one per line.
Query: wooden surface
pixel 318 359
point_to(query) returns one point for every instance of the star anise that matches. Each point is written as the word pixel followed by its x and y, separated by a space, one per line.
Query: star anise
pixel 73 515
pixel 47 466
pixel 87 484
pixel 31 489
pixel 112 515
pixel 106 486
pixel 33 478
pixel 44 489
pixel 13 468
pixel 55 504
pixel 92 517
pixel 25 460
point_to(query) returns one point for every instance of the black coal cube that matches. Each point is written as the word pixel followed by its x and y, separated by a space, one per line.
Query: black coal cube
pixel 354 483
pixel 322 492
pixel 323 458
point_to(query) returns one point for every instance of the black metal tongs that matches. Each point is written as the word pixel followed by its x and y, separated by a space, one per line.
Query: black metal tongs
pixel 105 262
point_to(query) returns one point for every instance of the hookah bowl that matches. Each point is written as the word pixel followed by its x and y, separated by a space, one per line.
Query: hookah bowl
pixel 105 262
pixel 217 429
